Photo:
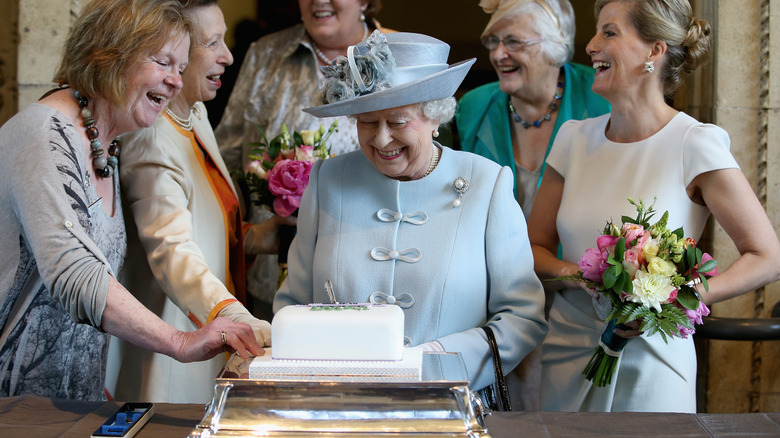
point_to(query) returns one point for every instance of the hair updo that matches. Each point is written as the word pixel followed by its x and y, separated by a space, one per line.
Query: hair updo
pixel 687 38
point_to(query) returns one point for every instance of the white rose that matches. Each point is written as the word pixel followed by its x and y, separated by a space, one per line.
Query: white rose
pixel 650 250
pixel 660 266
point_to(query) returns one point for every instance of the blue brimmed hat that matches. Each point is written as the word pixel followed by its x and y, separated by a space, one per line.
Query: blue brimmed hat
pixel 388 71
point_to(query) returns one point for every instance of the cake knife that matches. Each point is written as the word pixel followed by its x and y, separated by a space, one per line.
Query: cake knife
pixel 329 290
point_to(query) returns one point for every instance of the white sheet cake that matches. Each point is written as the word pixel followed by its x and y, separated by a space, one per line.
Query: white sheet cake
pixel 339 342
pixel 338 332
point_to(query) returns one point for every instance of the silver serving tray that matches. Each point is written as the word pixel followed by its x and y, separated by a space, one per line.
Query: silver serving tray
pixel 439 405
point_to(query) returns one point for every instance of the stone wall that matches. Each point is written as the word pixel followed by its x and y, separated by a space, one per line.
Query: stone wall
pixel 9 43
pixel 743 376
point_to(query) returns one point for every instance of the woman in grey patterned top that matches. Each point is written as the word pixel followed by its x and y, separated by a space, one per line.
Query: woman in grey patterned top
pixel 63 237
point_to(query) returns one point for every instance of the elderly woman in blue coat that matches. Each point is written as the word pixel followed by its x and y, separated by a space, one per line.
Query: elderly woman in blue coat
pixel 407 221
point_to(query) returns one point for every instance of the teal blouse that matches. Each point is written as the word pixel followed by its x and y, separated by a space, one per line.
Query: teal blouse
pixel 482 118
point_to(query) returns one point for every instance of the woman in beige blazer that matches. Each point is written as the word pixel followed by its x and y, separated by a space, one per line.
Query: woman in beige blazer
pixel 186 238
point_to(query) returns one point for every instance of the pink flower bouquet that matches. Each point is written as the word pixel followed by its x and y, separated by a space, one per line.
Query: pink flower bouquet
pixel 647 273
pixel 279 171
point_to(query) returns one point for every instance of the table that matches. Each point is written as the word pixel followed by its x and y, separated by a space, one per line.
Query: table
pixel 31 417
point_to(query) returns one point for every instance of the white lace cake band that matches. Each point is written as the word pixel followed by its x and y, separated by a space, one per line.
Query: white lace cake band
pixel 409 368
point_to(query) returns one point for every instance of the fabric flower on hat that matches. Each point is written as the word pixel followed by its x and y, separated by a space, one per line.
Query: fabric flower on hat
pixel 371 68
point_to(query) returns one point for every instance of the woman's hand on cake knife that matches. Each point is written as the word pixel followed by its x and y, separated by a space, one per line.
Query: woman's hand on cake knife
pixel 207 341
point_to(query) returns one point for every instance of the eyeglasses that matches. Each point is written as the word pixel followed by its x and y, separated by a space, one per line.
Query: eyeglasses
pixel 510 43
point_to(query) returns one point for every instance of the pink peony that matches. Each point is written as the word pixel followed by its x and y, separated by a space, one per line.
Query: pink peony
pixel 287 180
pixel 593 265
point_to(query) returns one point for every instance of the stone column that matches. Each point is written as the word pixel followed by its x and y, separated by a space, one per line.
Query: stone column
pixel 43 28
pixel 743 376
pixel 9 42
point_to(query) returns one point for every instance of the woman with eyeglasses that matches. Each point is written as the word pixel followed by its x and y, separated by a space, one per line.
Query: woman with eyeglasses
pixel 513 121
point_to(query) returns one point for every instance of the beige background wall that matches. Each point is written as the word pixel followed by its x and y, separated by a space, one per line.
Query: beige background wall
pixel 735 91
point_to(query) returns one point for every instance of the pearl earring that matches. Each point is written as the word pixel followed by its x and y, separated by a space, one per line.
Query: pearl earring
pixel 435 133
pixel 649 66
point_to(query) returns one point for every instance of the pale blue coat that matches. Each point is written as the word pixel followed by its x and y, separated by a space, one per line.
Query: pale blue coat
pixel 475 263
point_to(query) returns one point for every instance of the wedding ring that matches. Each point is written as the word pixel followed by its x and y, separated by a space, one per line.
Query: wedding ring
pixel 224 338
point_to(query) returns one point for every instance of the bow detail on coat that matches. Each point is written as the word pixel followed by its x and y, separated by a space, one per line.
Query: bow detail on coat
pixel 415 218
pixel 411 255
pixel 403 301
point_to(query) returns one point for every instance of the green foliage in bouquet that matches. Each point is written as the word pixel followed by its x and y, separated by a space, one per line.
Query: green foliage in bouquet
pixel 648 273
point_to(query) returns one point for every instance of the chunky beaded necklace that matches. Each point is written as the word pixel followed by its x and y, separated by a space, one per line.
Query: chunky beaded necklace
pixel 324 58
pixel 104 166
pixel 537 123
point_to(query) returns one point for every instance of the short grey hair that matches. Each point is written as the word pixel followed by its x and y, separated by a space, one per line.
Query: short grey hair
pixel 442 110
pixel 558 43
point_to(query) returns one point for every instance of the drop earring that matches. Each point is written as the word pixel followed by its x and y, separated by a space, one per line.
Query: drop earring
pixel 649 66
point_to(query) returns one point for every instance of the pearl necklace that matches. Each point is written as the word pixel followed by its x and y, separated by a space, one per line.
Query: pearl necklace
pixel 324 58
pixel 434 161
pixel 104 166
pixel 185 124
pixel 537 123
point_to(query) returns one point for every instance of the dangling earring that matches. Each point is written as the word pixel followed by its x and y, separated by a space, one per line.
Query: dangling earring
pixel 649 66
pixel 435 133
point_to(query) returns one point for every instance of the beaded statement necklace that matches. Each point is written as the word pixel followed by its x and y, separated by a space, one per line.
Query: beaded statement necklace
pixel 537 123
pixel 104 166
pixel 185 124
pixel 322 56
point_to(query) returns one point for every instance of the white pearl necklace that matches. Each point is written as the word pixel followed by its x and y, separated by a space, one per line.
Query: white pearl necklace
pixel 324 58
pixel 185 124
pixel 434 161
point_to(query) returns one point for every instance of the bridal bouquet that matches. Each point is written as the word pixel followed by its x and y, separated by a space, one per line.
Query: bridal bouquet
pixel 279 170
pixel 647 273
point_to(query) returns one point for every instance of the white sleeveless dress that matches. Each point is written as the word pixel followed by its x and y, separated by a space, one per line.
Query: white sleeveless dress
pixel 599 177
